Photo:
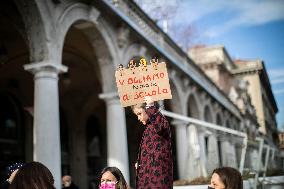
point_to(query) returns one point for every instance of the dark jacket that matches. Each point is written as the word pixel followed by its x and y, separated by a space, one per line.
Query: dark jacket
pixel 72 186
pixel 155 162
pixel 5 185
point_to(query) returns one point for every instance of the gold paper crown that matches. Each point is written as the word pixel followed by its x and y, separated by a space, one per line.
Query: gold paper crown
pixel 142 66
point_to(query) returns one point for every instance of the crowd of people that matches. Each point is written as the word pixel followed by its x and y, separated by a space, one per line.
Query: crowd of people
pixel 35 175
pixel 154 167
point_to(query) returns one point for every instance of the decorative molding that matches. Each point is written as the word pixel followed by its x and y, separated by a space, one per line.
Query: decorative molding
pixel 94 15
pixel 109 95
pixel 70 8
pixel 110 98
pixel 45 69
pixel 45 66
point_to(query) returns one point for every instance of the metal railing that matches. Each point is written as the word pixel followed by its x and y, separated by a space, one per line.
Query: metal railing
pixel 216 127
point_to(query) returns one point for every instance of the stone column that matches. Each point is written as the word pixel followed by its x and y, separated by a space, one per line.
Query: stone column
pixel 195 167
pixel 203 158
pixel 232 155
pixel 181 146
pixel 213 155
pixel 225 146
pixel 46 131
pixel 117 148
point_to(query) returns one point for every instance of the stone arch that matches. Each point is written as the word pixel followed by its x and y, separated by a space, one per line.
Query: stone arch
pixel 98 33
pixel 207 116
pixel 193 107
pixel 36 32
pixel 219 120
pixel 91 23
pixel 234 124
pixel 228 123
pixel 176 103
pixel 105 62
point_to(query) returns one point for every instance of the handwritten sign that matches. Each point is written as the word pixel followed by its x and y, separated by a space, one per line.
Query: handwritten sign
pixel 134 83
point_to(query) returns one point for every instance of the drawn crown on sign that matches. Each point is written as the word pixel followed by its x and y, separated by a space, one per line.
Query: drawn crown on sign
pixel 142 66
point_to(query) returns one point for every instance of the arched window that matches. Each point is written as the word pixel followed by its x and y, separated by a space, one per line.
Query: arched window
pixel 193 110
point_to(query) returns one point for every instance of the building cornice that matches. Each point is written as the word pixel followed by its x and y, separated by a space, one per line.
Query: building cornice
pixel 258 67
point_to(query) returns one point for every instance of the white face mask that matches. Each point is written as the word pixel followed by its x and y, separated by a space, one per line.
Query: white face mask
pixel 67 183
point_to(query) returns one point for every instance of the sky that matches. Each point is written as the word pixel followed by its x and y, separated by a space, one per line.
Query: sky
pixel 249 30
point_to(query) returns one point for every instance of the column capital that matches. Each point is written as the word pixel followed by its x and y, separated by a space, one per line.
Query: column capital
pixel 110 97
pixel 45 69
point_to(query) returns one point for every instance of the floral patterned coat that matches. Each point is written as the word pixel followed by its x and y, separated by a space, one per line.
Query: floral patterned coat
pixel 155 162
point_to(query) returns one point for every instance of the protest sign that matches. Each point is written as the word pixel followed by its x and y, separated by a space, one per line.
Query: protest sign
pixel 136 82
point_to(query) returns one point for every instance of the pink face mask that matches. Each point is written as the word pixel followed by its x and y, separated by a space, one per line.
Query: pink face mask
pixel 107 185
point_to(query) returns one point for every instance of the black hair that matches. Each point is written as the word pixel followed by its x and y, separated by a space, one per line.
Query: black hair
pixel 231 177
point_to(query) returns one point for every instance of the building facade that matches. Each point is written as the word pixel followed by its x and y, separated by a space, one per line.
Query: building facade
pixel 247 85
pixel 281 140
pixel 259 88
pixel 59 101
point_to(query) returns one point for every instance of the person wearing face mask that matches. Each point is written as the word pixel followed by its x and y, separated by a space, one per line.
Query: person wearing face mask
pixel 67 183
pixel 112 178
pixel 226 178
pixel 154 167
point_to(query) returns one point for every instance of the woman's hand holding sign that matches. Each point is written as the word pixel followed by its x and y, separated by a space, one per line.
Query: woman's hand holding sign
pixel 149 101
